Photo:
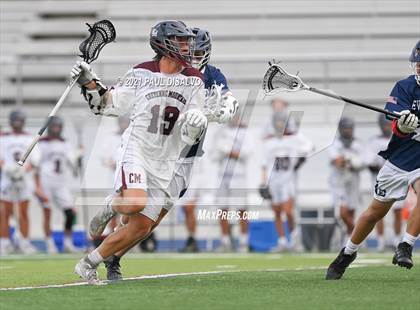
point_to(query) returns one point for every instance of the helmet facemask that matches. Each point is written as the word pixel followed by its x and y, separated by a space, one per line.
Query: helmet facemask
pixel 181 49
pixel 415 66
pixel 415 62
pixel 200 59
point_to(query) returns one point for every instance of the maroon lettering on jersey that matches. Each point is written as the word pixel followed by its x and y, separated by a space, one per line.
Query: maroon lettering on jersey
pixel 134 177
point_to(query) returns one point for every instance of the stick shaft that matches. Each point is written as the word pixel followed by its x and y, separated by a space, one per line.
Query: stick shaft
pixel 47 122
pixel 351 101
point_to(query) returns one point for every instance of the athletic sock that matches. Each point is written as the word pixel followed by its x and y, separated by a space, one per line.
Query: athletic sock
pixel 351 247
pixel 5 242
pixel 282 242
pixel 243 239
pixel 225 240
pixel 95 257
pixel 409 239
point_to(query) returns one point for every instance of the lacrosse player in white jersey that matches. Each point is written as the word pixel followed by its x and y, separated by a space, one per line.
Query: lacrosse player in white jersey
pixel 347 159
pixel 16 184
pixel 284 153
pixel 375 163
pixel 164 97
pixel 58 160
pixel 220 106
pixel 232 151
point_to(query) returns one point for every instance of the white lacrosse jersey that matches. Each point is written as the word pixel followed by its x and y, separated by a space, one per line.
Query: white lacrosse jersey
pixel 12 147
pixel 355 158
pixel 281 155
pixel 56 160
pixel 231 139
pixel 156 102
pixel 376 144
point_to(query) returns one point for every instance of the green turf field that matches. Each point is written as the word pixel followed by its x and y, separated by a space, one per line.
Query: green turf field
pixel 254 281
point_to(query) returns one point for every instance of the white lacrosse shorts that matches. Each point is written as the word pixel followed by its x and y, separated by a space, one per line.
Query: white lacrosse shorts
pixel 392 183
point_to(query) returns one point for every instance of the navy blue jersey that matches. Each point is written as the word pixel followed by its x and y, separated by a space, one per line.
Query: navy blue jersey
pixel 212 75
pixel 404 152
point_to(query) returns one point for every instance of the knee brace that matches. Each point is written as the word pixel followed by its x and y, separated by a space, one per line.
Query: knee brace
pixel 69 219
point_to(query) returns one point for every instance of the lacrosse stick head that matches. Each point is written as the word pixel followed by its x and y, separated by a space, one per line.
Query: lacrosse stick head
pixel 101 33
pixel 276 79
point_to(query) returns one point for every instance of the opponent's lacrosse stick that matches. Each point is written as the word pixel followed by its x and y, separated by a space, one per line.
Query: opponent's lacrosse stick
pixel 101 33
pixel 276 79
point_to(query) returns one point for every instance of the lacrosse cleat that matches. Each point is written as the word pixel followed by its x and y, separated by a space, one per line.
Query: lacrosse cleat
pixel 339 265
pixel 87 271
pixel 113 268
pixel 402 256
pixel 100 220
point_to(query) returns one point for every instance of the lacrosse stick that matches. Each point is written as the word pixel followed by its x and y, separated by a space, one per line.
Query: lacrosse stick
pixel 101 33
pixel 276 79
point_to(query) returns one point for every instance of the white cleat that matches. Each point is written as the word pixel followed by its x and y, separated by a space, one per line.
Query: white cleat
pixel 51 248
pixel 98 223
pixel 70 248
pixel 27 248
pixel 87 271
pixel 6 249
pixel 243 248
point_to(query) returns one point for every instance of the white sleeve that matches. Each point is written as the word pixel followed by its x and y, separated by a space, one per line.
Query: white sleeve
pixel 198 95
pixel 122 97
pixel 333 151
pixel 305 146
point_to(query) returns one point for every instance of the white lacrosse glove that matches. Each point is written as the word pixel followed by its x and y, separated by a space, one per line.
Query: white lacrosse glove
pixel 14 172
pixel 408 122
pixel 84 72
pixel 219 107
pixel 193 127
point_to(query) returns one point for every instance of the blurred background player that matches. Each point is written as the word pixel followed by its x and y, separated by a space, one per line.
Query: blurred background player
pixel 232 152
pixel 284 153
pixel 400 171
pixel 212 76
pixel 16 184
pixel 375 163
pixel 347 160
pixel 278 105
pixel 58 160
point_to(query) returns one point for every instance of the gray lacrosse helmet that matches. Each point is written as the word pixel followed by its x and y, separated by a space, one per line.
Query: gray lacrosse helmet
pixel 55 127
pixel 279 122
pixel 346 131
pixel 415 61
pixel 202 49
pixel 163 40
pixel 17 120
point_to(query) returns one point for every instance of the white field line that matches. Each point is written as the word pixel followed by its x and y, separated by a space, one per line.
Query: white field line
pixel 183 274
pixel 162 276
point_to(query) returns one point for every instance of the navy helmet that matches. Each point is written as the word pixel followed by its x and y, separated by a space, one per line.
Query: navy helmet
pixel 415 61
pixel 166 40
pixel 17 120
pixel 55 127
pixel 385 125
pixel 202 49
pixel 346 130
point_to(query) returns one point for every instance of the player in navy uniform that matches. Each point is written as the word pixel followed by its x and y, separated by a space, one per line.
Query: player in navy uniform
pixel 212 76
pixel 400 171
